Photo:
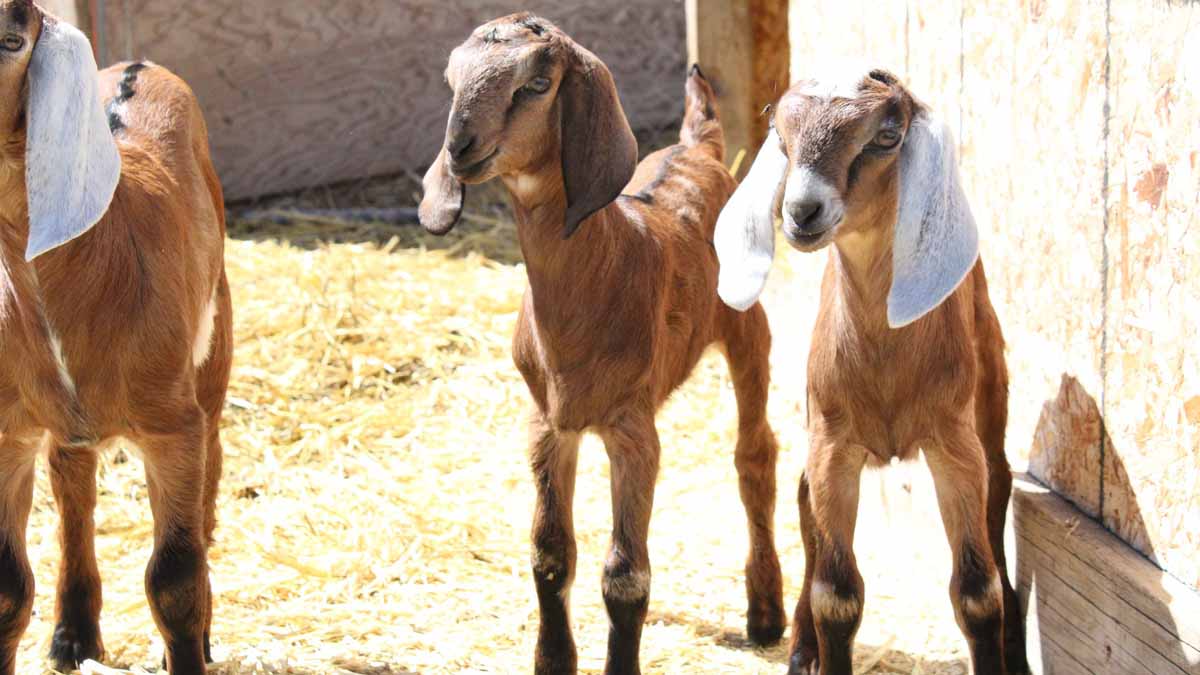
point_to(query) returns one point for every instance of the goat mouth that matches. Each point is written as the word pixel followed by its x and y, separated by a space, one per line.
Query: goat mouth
pixel 809 242
pixel 474 171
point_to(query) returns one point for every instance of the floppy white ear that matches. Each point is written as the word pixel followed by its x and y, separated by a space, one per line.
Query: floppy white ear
pixel 745 234
pixel 936 242
pixel 72 165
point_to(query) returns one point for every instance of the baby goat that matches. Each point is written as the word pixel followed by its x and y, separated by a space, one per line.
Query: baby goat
pixel 907 352
pixel 114 322
pixel 620 306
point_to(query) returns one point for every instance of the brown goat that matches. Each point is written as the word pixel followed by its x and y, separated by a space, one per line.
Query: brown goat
pixel 115 321
pixel 616 316
pixel 907 353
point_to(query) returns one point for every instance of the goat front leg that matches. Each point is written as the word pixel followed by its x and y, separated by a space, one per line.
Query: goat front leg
pixel 831 602
pixel 77 608
pixel 16 576
pixel 633 452
pixel 960 478
pixel 553 456
pixel 748 346
pixel 177 576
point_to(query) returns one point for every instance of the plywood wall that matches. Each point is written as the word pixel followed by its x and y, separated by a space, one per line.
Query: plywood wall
pixel 305 93
pixel 1081 153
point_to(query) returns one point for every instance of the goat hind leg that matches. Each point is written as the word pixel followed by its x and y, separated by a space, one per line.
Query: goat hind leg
pixel 553 456
pixel 177 575
pixel 748 347
pixel 78 598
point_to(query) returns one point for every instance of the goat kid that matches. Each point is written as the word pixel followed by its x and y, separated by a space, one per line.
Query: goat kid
pixel 621 304
pixel 907 352
pixel 115 321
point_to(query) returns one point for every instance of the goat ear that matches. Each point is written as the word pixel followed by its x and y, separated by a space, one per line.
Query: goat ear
pixel 599 151
pixel 936 242
pixel 745 234
pixel 72 165
pixel 443 201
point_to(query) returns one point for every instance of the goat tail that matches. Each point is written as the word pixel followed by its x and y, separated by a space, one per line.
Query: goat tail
pixel 701 122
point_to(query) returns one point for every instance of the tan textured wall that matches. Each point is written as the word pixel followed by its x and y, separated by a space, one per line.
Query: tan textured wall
pixel 303 93
pixel 1089 229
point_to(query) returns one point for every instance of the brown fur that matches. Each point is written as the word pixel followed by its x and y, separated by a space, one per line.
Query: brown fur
pixel 615 317
pixel 126 300
pixel 875 393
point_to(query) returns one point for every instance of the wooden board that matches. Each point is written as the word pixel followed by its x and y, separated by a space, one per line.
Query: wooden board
pixel 1094 605
pixel 300 94
pixel 1032 159
pixel 742 46
pixel 1152 402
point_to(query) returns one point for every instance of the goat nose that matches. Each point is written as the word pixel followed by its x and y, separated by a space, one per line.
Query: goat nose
pixel 460 145
pixel 806 214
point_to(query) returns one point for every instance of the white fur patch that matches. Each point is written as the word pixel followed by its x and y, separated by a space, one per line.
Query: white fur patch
pixel 805 185
pixel 829 605
pixel 64 372
pixel 836 80
pixel 204 334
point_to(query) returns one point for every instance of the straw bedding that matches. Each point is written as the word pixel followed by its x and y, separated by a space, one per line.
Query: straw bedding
pixel 376 503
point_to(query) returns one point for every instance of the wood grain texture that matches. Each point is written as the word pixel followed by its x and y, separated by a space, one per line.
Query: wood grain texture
pixel 1032 140
pixel 720 38
pixel 299 94
pixel 1095 606
pixel 1153 364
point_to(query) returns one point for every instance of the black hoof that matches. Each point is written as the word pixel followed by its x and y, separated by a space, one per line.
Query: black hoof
pixel 803 664
pixel 765 631
pixel 71 646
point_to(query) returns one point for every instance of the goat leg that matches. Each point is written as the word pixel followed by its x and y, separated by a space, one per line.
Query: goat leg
pixel 16 576
pixel 553 457
pixel 633 451
pixel 78 599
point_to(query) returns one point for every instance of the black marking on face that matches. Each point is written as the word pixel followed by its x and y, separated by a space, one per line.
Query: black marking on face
pixel 125 93
pixel 19 14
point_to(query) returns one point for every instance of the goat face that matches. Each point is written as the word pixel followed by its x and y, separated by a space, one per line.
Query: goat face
pixel 844 156
pixel 842 141
pixel 527 97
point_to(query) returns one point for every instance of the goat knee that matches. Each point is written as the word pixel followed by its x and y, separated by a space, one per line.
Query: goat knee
pixel 977 594
pixel 625 586
pixel 553 566
pixel 176 583
pixel 837 594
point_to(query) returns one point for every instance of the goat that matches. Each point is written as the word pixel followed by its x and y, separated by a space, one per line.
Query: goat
pixel 621 303
pixel 115 322
pixel 907 351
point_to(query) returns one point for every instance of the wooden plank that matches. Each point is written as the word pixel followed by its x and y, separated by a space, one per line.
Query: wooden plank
pixel 1093 604
pixel 742 46
pixel 1032 159
pixel 1152 378
pixel 300 94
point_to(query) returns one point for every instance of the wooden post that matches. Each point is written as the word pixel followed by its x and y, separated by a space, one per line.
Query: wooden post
pixel 743 47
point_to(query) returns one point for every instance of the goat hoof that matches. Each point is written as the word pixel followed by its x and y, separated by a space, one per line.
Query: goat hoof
pixel 765 630
pixel 70 647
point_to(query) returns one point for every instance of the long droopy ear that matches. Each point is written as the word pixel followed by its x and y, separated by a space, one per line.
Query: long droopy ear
pixel 936 242
pixel 443 201
pixel 599 151
pixel 745 234
pixel 72 165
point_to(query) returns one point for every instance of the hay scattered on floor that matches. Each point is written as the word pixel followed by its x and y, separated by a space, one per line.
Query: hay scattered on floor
pixel 376 502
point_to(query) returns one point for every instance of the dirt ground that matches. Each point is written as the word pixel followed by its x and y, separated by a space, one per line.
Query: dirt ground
pixel 376 501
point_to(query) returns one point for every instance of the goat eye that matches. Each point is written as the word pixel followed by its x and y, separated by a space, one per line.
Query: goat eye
pixel 12 43
pixel 886 139
pixel 538 85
